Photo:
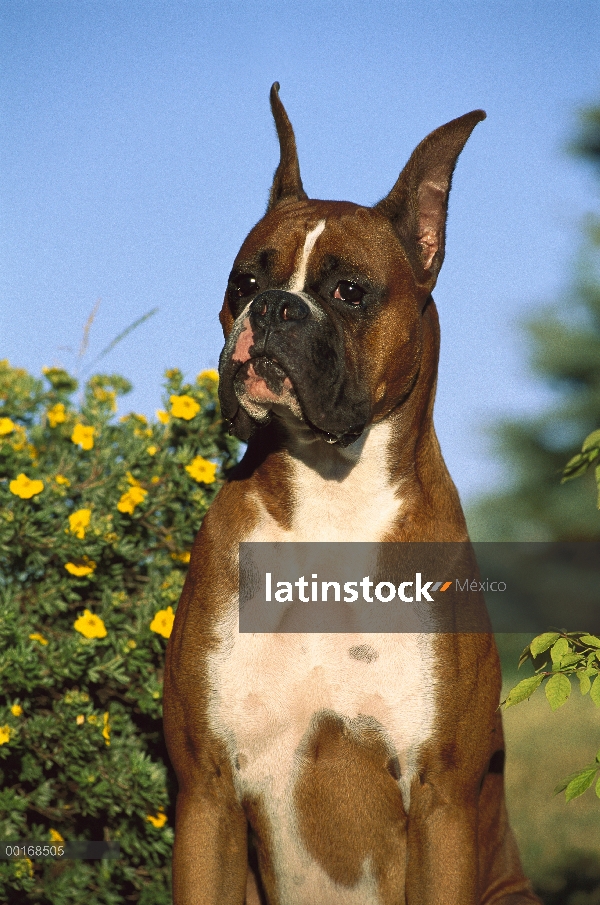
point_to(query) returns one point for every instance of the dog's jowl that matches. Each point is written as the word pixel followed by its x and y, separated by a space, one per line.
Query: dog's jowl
pixel 335 768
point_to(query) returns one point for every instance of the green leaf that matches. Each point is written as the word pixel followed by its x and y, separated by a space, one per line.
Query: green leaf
pixel 595 691
pixel 590 640
pixel 524 656
pixel 580 782
pixel 558 689
pixel 584 683
pixel 559 650
pixel 597 472
pixel 562 785
pixel 543 642
pixel 592 442
pixel 598 788
pixel 576 466
pixel 571 659
pixel 523 690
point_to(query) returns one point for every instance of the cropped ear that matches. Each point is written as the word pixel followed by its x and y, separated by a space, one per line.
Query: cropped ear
pixel 418 204
pixel 287 185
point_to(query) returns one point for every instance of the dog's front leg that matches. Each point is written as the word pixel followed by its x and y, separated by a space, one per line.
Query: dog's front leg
pixel 210 855
pixel 442 849
pixel 210 862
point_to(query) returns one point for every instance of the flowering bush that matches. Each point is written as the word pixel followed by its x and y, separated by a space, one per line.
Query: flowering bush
pixel 97 519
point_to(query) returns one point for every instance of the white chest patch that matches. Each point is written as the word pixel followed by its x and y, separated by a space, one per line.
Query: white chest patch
pixel 267 690
pixel 268 687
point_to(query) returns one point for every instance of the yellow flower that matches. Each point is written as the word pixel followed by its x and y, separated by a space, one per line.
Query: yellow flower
pixel 90 626
pixel 56 415
pixel 163 417
pixel 157 821
pixel 37 637
pixel 184 407
pixel 81 569
pixel 103 395
pixel 172 372
pixel 201 470
pixel 162 623
pixel 23 866
pixel 79 521
pixel 83 436
pixel 25 488
pixel 152 450
pixel 106 730
pixel 16 710
pixel 80 719
pixel 55 836
pixel 131 499
pixel 6 426
pixel 154 479
pixel 211 374
pixel 181 557
pixel 60 479
pixel 4 734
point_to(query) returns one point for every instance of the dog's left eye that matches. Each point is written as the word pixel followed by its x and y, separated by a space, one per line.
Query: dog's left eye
pixel 349 292
pixel 245 284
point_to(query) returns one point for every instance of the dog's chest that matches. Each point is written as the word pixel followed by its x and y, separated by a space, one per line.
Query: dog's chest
pixel 267 688
pixel 271 692
pixel 269 695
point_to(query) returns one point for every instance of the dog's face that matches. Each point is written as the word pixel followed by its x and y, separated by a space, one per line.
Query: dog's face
pixel 314 295
pixel 318 289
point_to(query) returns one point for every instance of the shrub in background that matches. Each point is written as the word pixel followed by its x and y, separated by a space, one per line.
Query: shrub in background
pixel 97 519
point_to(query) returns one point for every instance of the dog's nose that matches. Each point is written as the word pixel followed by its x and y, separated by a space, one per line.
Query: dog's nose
pixel 275 305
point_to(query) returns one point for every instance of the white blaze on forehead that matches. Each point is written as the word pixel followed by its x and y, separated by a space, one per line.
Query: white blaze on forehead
pixel 299 275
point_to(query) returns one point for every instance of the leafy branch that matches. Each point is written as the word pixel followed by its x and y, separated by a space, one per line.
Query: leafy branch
pixel 571 654
pixel 579 464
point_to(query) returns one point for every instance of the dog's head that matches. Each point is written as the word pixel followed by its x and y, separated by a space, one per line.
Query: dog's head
pixel 322 314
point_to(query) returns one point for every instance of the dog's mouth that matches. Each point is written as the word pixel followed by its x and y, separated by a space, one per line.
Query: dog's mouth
pixel 262 381
pixel 262 386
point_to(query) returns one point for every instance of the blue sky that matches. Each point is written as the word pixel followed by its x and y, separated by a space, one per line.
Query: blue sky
pixel 138 149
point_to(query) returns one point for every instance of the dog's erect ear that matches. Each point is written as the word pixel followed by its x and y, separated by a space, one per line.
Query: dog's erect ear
pixel 287 185
pixel 418 203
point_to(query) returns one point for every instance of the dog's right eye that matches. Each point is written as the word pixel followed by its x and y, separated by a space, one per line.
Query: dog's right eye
pixel 245 284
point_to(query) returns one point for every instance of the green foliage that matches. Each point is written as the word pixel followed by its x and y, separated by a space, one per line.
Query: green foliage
pixel 97 518
pixel 564 343
pixel 571 654
pixel 589 455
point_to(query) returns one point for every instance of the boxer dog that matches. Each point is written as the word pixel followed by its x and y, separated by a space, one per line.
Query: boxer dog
pixel 365 771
